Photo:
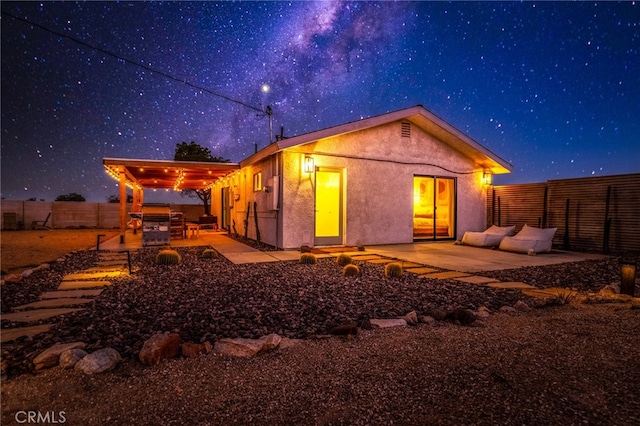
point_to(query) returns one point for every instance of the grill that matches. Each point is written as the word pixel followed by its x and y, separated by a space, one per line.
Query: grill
pixel 156 224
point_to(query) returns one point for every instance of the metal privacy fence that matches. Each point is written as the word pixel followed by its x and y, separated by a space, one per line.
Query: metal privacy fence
pixel 592 214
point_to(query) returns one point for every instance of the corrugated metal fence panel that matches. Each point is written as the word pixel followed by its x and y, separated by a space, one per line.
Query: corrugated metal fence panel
pixel 578 208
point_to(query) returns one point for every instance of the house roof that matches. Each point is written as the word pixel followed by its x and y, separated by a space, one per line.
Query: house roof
pixel 168 174
pixel 417 115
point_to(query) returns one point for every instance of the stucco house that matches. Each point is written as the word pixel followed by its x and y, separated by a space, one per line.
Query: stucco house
pixel 399 177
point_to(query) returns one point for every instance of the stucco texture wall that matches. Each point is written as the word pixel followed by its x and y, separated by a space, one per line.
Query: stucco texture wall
pixel 378 168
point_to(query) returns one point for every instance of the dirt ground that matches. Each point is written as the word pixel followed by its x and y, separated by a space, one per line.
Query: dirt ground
pixel 25 249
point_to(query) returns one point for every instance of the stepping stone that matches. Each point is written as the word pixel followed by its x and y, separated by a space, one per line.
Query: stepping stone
pixel 91 275
pixel 96 269
pixel 421 271
pixel 73 285
pixel 115 262
pixel 37 314
pixel 366 257
pixel 381 260
pixel 70 293
pixel 475 279
pixel 513 284
pixel 54 303
pixel 446 275
pixel 406 265
pixel 11 334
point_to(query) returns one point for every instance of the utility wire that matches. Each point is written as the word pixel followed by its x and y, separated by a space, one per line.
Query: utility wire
pixel 162 73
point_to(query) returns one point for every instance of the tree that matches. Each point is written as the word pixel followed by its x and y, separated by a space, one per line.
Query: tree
pixel 194 152
pixel 71 197
pixel 116 198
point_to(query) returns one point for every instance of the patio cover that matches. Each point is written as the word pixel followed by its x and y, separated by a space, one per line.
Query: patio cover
pixel 161 174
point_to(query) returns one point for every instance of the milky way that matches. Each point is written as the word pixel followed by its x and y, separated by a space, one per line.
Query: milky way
pixel 553 88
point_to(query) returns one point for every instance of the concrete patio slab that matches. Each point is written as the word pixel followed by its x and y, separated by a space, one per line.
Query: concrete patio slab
pixel 512 284
pixel 545 293
pixel 445 275
pixel 96 269
pixel 54 303
pixel 111 263
pixel 11 334
pixel 476 279
pixel 37 314
pixel 70 293
pixel 446 255
pixel 74 285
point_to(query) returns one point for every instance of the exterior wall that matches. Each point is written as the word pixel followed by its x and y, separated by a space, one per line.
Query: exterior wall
pixel 242 199
pixel 378 184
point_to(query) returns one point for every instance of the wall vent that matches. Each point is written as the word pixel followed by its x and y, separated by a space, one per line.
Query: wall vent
pixel 405 130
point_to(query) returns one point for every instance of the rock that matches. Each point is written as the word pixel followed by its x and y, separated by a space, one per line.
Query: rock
pixel 507 309
pixel 287 343
pixel 12 278
pixel 26 273
pixel 69 358
pixel 463 316
pixel 345 329
pixel 482 314
pixel 428 320
pixel 99 361
pixel 521 306
pixel 194 350
pixel 438 314
pixel 238 347
pixel 50 357
pixel 271 342
pixel 365 324
pixel 411 318
pixel 611 289
pixel 635 303
pixel 386 323
pixel 159 347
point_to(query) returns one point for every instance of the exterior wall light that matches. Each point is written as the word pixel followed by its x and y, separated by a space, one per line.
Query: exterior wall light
pixel 628 273
pixel 487 177
pixel 308 165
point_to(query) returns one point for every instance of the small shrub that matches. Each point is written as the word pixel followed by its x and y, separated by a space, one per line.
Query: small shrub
pixel 564 296
pixel 308 258
pixel 393 270
pixel 351 271
pixel 343 260
pixel 209 253
pixel 168 257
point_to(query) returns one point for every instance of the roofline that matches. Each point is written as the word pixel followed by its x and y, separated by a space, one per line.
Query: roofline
pixel 132 162
pixel 366 123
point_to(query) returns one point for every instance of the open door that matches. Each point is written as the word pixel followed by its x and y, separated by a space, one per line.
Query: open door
pixel 328 207
pixel 434 208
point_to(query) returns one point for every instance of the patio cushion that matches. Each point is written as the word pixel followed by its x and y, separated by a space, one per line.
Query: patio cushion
pixel 489 238
pixel 530 240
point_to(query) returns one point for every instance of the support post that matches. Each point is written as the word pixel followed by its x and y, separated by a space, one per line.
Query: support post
pixel 123 204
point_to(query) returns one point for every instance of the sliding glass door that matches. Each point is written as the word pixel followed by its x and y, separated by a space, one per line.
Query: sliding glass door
pixel 434 208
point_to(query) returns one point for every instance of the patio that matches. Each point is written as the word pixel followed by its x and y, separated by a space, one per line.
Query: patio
pixel 444 255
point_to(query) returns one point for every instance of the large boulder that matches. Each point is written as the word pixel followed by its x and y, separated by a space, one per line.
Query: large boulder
pixel 51 356
pixel 194 350
pixel 69 359
pixel 99 361
pixel 159 347
pixel 247 347
pixel 386 323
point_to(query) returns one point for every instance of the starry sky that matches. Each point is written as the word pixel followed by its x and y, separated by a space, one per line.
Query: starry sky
pixel 553 88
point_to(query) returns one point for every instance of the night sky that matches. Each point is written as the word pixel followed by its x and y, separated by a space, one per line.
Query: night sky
pixel 553 88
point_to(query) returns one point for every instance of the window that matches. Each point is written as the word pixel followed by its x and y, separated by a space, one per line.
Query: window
pixel 257 182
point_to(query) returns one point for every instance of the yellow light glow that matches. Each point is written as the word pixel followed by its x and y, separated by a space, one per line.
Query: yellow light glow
pixel 308 164
pixel 487 177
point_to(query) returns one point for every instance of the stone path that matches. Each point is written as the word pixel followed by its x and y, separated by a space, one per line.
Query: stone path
pixel 75 291
pixel 425 271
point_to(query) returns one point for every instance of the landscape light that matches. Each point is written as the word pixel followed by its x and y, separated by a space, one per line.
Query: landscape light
pixel 628 279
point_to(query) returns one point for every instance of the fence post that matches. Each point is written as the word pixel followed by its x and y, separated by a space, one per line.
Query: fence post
pixel 566 225
pixel 607 222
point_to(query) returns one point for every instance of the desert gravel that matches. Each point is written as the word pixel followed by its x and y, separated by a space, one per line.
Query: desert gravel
pixel 571 364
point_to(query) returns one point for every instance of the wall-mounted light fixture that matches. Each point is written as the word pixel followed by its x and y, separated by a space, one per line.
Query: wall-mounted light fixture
pixel 487 177
pixel 628 272
pixel 308 165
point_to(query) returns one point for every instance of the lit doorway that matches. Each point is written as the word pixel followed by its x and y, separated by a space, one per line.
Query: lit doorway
pixel 328 208
pixel 434 208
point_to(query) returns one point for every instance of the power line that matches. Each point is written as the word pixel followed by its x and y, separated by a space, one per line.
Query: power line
pixel 162 73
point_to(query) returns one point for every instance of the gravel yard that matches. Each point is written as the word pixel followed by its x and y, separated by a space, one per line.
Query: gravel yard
pixel 567 364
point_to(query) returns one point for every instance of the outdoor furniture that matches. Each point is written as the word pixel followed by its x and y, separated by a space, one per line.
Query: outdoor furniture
pixel 177 225
pixel 529 240
pixel 194 229
pixel 41 224
pixel 491 237
pixel 208 221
